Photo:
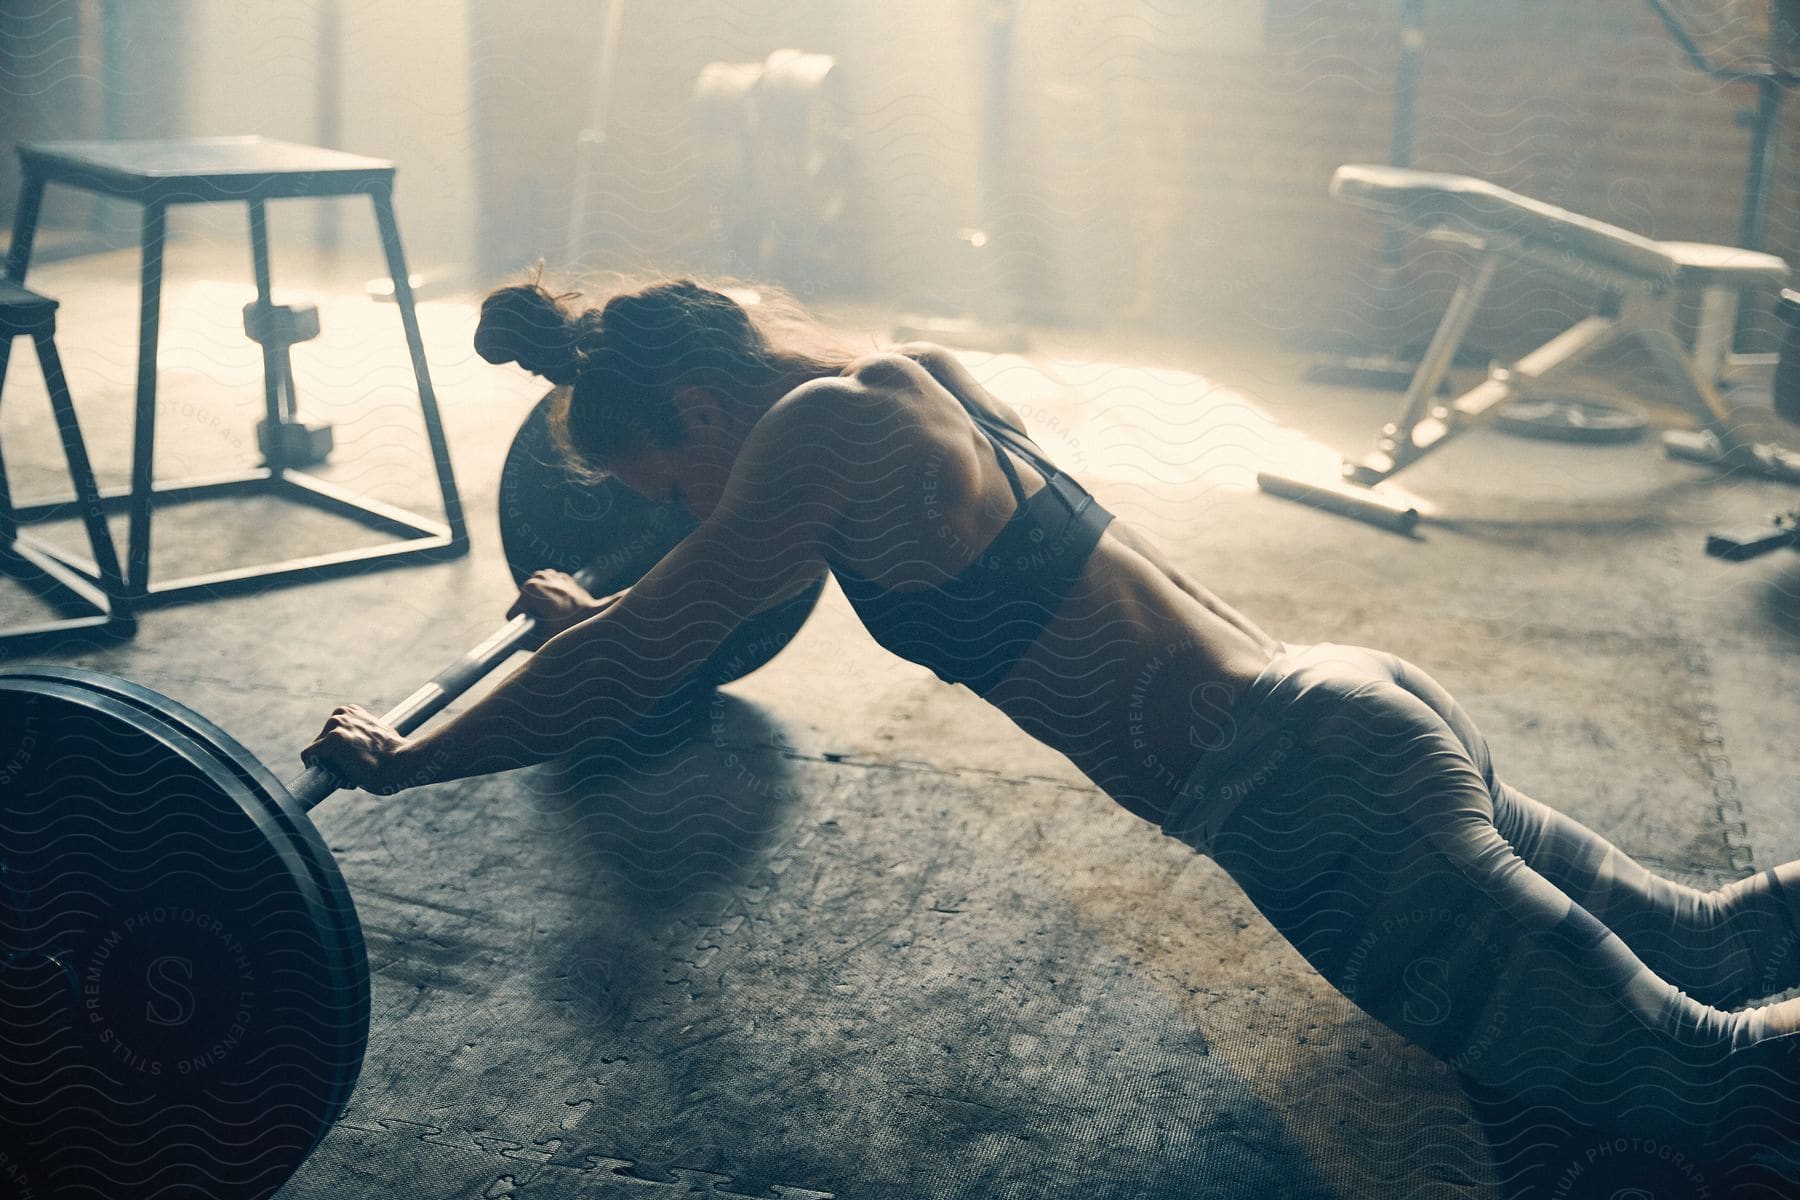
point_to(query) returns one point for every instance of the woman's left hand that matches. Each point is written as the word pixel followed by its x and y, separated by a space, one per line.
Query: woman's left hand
pixel 360 751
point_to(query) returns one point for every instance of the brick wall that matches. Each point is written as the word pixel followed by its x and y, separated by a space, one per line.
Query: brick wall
pixel 1167 160
pixel 1166 163
pixel 1208 198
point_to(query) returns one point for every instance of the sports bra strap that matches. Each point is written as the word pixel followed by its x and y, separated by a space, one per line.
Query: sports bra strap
pixel 1065 487
pixel 1006 464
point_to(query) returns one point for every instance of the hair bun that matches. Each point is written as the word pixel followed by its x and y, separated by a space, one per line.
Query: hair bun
pixel 527 325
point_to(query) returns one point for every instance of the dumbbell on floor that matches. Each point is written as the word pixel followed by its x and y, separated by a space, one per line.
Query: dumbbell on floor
pixel 286 436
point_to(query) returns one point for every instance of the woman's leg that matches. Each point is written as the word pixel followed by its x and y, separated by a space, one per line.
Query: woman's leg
pixel 1723 948
pixel 1373 848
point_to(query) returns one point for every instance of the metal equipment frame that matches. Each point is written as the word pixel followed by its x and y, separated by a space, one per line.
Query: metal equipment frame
pixel 1632 307
pixel 93 587
pixel 253 171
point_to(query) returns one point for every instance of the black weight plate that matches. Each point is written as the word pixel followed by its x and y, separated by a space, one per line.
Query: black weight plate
pixel 200 756
pixel 1568 419
pixel 210 1033
pixel 552 518
pixel 264 787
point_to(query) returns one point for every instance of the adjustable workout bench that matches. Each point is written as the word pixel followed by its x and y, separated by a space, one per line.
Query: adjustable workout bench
pixel 1642 280
pixel 1783 532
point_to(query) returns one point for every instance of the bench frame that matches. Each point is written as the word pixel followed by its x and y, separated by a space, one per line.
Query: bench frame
pixel 1632 307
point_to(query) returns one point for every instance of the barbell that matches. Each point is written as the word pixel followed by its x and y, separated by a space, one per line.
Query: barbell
pixel 184 988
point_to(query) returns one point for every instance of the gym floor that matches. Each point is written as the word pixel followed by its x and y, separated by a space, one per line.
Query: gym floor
pixel 853 934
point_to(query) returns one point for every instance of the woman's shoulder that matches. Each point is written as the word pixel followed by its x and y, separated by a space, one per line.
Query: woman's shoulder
pixel 874 389
pixel 886 369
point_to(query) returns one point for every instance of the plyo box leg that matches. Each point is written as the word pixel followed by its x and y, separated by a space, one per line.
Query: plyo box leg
pixel 9 524
pixel 81 474
pixel 143 442
pixel 389 229
pixel 94 591
pixel 24 232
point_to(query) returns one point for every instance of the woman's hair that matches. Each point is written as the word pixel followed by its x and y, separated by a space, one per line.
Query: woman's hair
pixel 527 324
pixel 619 365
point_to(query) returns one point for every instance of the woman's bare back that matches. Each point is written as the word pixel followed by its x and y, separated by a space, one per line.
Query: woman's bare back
pixel 1129 676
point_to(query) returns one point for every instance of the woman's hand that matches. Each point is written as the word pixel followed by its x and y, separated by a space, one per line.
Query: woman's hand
pixel 557 602
pixel 360 751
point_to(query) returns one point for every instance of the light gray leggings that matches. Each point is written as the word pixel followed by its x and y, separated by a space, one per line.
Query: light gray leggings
pixel 1355 803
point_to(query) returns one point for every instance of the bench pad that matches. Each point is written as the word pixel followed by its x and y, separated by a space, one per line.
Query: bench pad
pixel 1464 204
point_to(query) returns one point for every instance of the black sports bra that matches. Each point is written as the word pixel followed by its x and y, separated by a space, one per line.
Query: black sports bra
pixel 974 628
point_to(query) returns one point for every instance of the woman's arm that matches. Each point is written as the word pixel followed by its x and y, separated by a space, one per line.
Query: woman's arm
pixel 592 683
pixel 766 538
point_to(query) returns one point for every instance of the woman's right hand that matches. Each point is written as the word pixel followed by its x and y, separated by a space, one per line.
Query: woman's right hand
pixel 557 602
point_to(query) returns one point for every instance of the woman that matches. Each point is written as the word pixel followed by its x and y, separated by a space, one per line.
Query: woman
pixel 1341 787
